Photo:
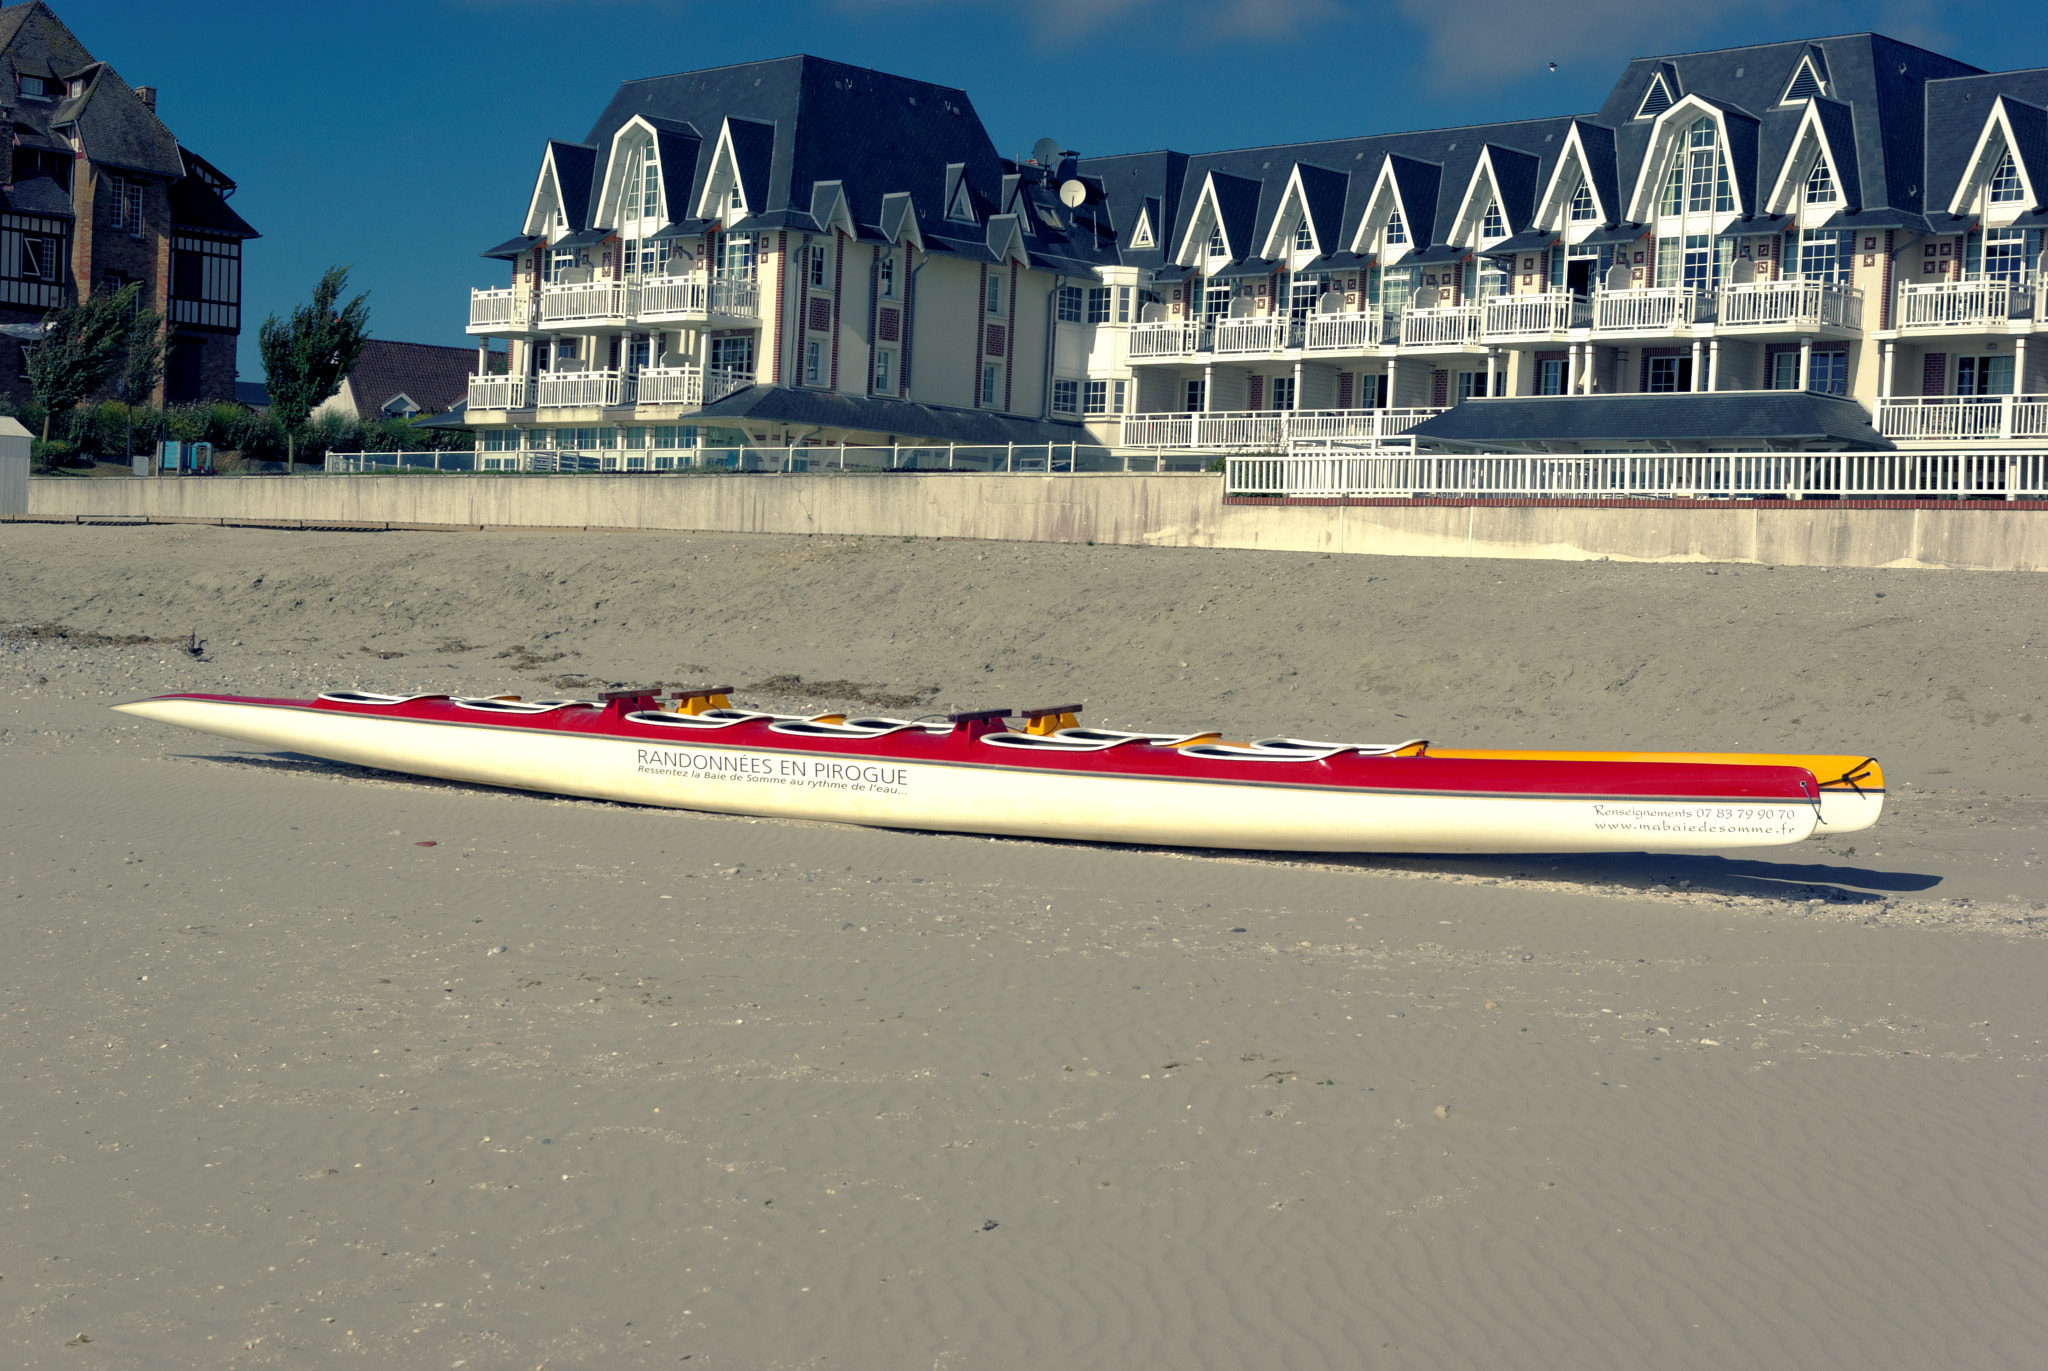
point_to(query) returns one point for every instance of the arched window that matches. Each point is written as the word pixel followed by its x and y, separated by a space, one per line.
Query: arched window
pixel 1304 238
pixel 1493 226
pixel 1582 204
pixel 1397 232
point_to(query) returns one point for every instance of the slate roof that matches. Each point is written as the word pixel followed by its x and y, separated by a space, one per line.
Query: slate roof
pixel 1782 418
pixel 435 377
pixel 907 420
pixel 1955 114
pixel 39 195
pixel 253 394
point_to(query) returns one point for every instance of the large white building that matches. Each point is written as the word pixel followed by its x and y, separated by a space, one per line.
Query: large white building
pixel 798 251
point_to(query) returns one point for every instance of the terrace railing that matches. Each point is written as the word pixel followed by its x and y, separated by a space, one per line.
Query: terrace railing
pixel 1251 335
pixel 1441 326
pixel 1535 316
pixel 590 302
pixel 1984 417
pixel 1268 430
pixel 585 389
pixel 501 311
pixel 1720 475
pixel 1657 309
pixel 500 392
pixel 1791 305
pixel 1355 331
pixel 1174 338
pixel 679 297
pixel 1956 304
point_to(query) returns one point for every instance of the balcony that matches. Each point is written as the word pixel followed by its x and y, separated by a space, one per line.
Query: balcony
pixel 1791 306
pixel 1444 326
pixel 1957 305
pixel 585 389
pixel 1268 430
pixel 1251 336
pixel 1357 331
pixel 692 299
pixel 589 302
pixel 689 387
pixel 1535 317
pixel 1995 418
pixel 1658 309
pixel 499 392
pixel 501 311
pixel 1172 340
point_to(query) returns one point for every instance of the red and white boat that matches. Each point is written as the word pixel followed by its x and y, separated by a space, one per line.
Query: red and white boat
pixel 976 773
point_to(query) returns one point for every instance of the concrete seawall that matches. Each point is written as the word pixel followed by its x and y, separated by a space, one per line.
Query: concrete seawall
pixel 1173 511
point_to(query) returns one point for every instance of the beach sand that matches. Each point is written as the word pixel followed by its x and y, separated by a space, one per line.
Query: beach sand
pixel 711 1091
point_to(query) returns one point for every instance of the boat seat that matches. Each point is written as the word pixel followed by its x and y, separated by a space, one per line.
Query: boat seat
pixel 698 699
pixel 1048 721
pixel 1045 742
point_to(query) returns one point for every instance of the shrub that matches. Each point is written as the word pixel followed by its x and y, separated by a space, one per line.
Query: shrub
pixel 52 454
pixel 185 423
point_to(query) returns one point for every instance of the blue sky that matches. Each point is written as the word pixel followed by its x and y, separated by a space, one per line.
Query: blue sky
pixel 404 138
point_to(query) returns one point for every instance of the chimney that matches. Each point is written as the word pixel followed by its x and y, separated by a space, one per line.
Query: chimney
pixel 148 96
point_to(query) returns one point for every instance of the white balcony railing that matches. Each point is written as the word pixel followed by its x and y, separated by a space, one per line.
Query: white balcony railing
pixel 1791 305
pixel 1267 430
pixel 1657 309
pixel 496 311
pixel 681 297
pixel 499 392
pixel 585 389
pixel 1441 326
pixel 1981 417
pixel 589 302
pixel 1251 335
pixel 1535 316
pixel 1736 475
pixel 720 382
pixel 1174 338
pixel 1956 304
pixel 671 386
pixel 1350 332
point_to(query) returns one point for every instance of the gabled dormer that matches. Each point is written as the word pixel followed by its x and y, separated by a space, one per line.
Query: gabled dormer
pixel 1400 214
pixel 647 173
pixel 830 210
pixel 737 183
pixel 1581 192
pixel 1809 78
pixel 1006 239
pixel 1221 226
pixel 899 220
pixel 1143 233
pixel 1310 214
pixel 1819 176
pixel 1499 198
pixel 1701 158
pixel 560 202
pixel 1660 92
pixel 2005 175
pixel 959 195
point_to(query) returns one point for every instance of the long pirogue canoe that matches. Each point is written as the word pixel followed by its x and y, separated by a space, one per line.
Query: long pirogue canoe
pixel 975 773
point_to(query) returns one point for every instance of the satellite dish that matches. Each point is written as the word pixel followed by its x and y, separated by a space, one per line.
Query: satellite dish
pixel 1744 272
pixel 1242 307
pixel 1330 302
pixel 1617 277
pixel 1425 297
pixel 1073 194
pixel 1045 152
pixel 1152 314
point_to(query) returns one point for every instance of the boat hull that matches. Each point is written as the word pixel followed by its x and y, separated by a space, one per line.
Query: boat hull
pixel 1293 806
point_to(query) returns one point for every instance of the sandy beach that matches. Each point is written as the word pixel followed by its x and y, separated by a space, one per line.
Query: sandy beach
pixel 709 1091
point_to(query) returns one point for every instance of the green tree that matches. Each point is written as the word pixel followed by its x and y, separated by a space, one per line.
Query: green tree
pixel 142 368
pixel 80 349
pixel 305 358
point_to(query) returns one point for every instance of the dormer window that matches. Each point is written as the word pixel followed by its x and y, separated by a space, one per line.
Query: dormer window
pixel 74 88
pixel 1216 248
pixel 1582 204
pixel 1820 186
pixel 1397 232
pixel 1805 84
pixel 1706 171
pixel 35 88
pixel 1656 98
pixel 1492 225
pixel 1142 237
pixel 733 201
pixel 1304 240
pixel 2005 182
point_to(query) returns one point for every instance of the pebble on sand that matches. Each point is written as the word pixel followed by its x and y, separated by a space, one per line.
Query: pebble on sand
pixel 1443 1111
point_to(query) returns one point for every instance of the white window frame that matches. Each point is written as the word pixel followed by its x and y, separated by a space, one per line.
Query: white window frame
pixel 2004 187
pixel 885 266
pixel 885 364
pixel 1066 396
pixel 993 301
pixel 814 362
pixel 1582 200
pixel 817 273
pixel 1072 304
pixel 991 382
pixel 1098 305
